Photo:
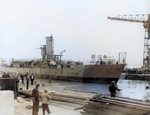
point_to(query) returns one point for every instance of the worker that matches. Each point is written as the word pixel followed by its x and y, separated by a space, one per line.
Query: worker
pixel 32 78
pixel 62 65
pixel 147 95
pixel 22 78
pixel 4 75
pixel 113 88
pixel 44 99
pixel 27 81
pixel 17 83
pixel 35 94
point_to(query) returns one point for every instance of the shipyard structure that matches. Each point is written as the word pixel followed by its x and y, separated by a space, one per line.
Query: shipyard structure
pixel 104 69
pixel 142 73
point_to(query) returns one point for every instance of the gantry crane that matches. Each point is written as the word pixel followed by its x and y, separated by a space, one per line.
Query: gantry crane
pixel 141 18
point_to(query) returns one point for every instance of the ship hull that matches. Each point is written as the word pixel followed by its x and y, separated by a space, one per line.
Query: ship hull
pixel 80 73
pixel 86 79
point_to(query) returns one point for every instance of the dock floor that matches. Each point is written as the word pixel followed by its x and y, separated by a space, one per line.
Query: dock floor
pixel 107 106
pixel 56 108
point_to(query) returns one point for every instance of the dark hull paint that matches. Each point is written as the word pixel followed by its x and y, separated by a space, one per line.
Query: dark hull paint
pixel 87 79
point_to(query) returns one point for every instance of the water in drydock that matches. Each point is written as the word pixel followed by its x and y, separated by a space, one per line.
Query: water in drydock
pixel 130 88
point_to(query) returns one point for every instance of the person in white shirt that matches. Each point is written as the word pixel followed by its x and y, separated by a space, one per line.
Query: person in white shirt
pixel 147 95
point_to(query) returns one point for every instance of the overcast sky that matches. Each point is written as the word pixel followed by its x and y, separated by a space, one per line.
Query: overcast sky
pixel 80 27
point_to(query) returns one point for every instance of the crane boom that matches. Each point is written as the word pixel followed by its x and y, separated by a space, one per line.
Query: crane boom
pixel 141 18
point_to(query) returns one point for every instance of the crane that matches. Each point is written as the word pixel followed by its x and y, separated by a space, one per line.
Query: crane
pixel 141 18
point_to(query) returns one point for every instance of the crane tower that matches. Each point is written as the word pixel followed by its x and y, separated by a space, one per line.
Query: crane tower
pixel 141 18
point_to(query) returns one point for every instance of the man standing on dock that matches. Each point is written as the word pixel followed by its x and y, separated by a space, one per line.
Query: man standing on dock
pixel 32 78
pixel 4 75
pixel 26 75
pixel 45 98
pixel 22 78
pixel 112 89
pixel 35 94
pixel 147 94
pixel 17 83
pixel 27 81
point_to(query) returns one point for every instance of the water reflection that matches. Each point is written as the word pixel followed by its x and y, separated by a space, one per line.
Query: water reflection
pixel 130 88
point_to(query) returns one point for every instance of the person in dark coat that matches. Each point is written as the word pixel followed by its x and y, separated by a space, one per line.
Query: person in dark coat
pixel 112 89
pixel 17 83
pixel 32 79
pixel 35 94
pixel 26 75
pixel 22 78
pixel 27 82
pixel 4 75
pixel 62 66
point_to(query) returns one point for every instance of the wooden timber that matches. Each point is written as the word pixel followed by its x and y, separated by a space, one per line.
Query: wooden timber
pixel 59 97
pixel 117 106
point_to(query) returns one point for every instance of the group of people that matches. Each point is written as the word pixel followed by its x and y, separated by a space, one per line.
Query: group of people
pixel 22 77
pixel 28 79
pixel 44 99
pixel 6 75
pixel 27 76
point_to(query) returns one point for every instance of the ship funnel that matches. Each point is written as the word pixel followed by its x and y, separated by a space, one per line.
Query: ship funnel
pixel 49 48
pixel 43 52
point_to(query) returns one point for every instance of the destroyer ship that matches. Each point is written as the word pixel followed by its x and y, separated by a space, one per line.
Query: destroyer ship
pixel 52 67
